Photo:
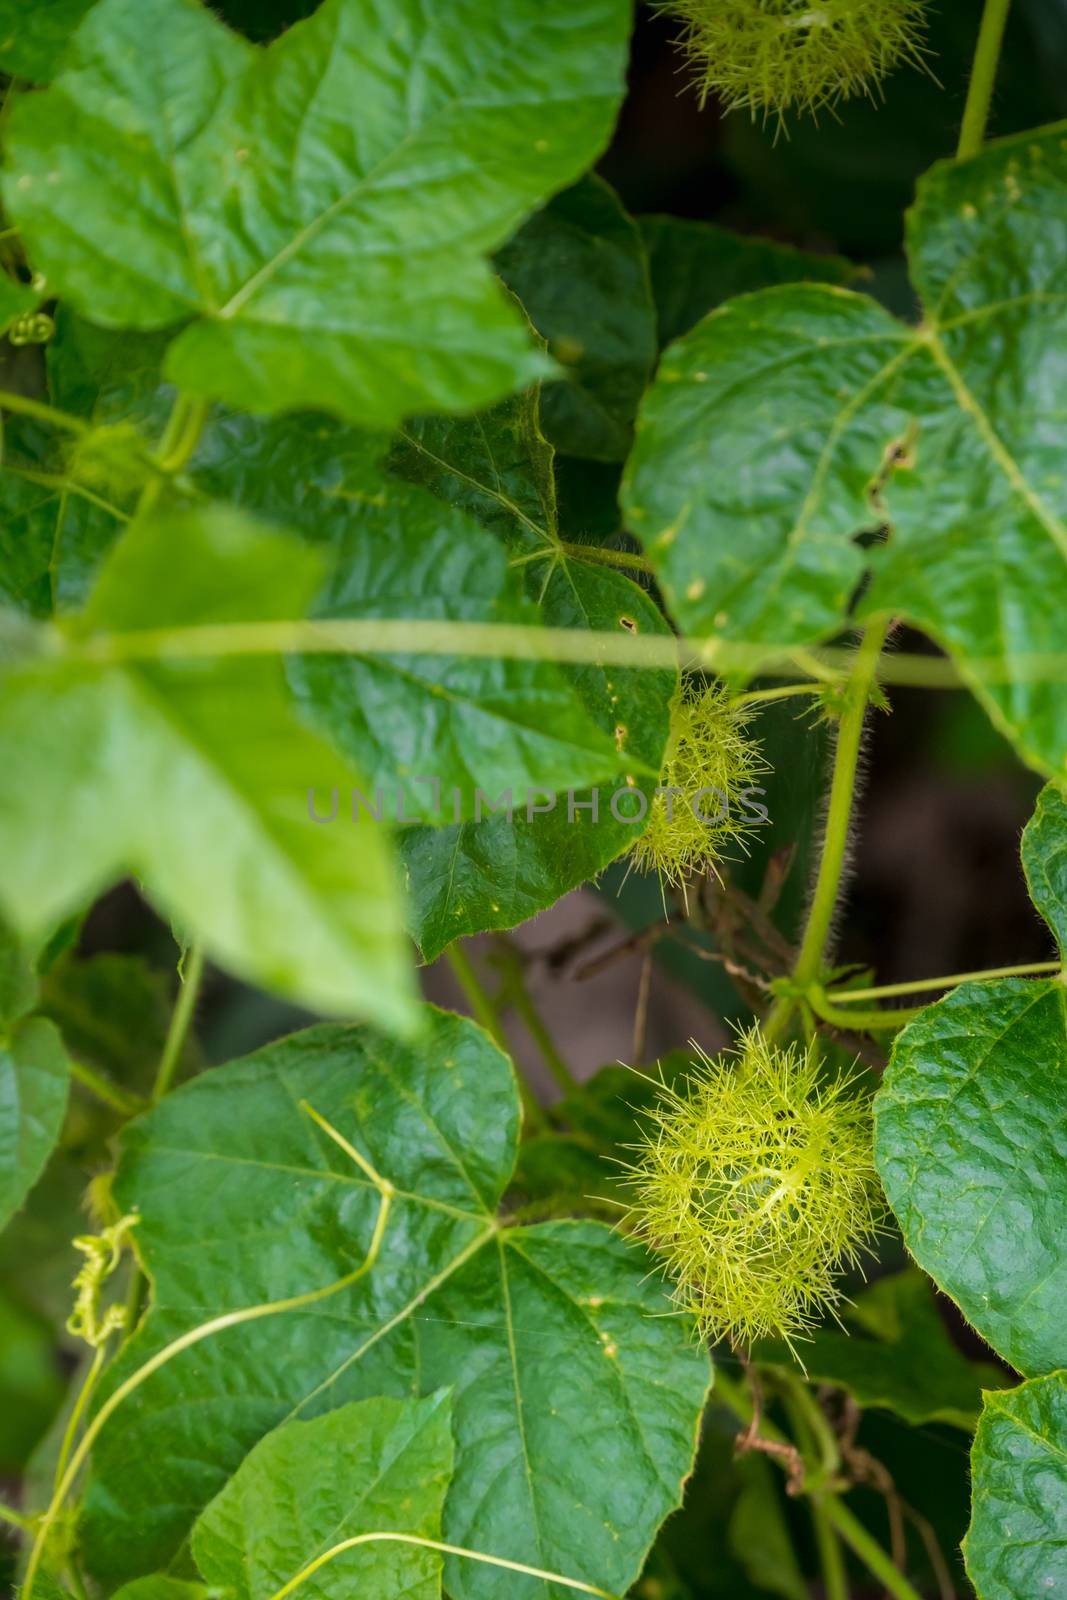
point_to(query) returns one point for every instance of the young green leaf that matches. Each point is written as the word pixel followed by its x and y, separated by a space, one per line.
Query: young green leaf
pixel 971 1123
pixel 374 1466
pixel 318 212
pixel 196 776
pixel 243 1199
pixel 1015 1548
pixel 791 421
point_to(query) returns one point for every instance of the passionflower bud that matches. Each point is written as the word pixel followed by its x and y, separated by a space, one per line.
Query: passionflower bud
pixel 774 56
pixel 756 1187
pixel 710 770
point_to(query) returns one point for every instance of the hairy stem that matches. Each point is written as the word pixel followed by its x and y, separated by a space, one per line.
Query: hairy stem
pixel 839 814
pixel 983 77
pixel 859 1020
pixel 788 691
pixel 15 1519
pixel 445 1549
pixel 85 1394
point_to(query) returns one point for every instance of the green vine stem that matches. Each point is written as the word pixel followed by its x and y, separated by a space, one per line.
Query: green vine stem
pixel 205 1330
pixel 532 642
pixel 856 694
pixel 841 1519
pixel 870 1552
pixel 486 1011
pixel 788 691
pixel 888 991
pixel 191 977
pixel 445 1549
pixel 180 437
pixel 85 1394
pixel 858 1020
pixel 127 1105
pixel 15 1519
pixel 983 77
pixel 831 1556
pixel 23 406
pixel 515 992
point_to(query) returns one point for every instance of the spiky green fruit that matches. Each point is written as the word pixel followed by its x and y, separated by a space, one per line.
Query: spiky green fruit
pixel 756 1187
pixel 711 769
pixel 774 56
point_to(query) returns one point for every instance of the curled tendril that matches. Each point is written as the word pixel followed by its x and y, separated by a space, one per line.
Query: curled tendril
pixel 102 1252
pixel 32 327
pixel 774 56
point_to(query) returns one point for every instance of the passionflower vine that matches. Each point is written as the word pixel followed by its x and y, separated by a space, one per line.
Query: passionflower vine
pixel 774 56
pixel 755 1186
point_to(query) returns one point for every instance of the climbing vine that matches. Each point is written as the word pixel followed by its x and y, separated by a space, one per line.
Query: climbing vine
pixel 399 535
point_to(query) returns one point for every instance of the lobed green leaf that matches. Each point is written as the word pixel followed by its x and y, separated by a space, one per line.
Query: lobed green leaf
pixel 174 174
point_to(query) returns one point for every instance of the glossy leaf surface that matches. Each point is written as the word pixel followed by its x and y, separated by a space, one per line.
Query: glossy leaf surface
pixel 971 1129
pixel 374 1466
pixel 174 174
pixel 530 1327
pixel 1015 1548
pixel 791 421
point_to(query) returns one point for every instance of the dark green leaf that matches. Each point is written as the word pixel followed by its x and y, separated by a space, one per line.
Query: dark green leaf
pixel 375 1466
pixel 59 523
pixel 695 266
pixel 244 1200
pixel 579 269
pixel 31 1382
pixel 1015 1547
pixel 1044 852
pixel 196 776
pixel 18 977
pixel 496 873
pixel 909 1363
pixel 35 53
pixel 970 1129
pixel 175 174
pixel 113 1012
pixel 759 1536
pixel 791 421
pixel 34 1080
